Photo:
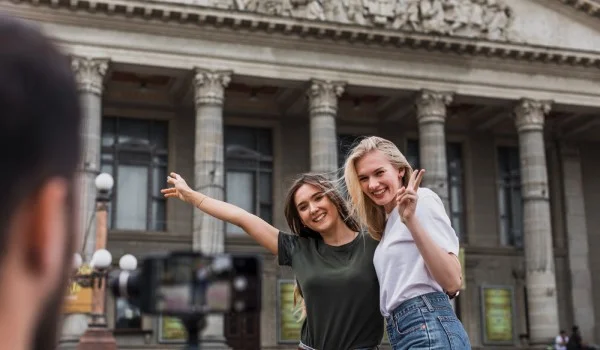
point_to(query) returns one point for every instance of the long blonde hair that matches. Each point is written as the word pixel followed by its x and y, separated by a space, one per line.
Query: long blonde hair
pixel 369 214
pixel 297 227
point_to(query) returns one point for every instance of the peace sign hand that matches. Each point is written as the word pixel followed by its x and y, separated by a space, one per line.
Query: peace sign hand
pixel 406 197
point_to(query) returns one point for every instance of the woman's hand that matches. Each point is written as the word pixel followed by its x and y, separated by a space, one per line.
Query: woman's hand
pixel 406 197
pixel 180 190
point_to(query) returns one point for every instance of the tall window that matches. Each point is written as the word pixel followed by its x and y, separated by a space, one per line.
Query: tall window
pixel 249 171
pixel 456 188
pixel 135 152
pixel 454 160
pixel 510 201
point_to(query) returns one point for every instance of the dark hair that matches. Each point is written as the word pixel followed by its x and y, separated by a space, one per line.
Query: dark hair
pixel 39 116
pixel 323 184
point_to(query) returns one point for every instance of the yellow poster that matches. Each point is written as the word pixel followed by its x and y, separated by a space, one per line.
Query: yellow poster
pixel 78 299
pixel 289 326
pixel 171 330
pixel 498 313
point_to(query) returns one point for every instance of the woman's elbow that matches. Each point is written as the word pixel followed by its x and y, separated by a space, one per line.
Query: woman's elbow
pixel 453 285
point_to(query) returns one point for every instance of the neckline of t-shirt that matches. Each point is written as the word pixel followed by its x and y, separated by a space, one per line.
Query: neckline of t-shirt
pixel 343 246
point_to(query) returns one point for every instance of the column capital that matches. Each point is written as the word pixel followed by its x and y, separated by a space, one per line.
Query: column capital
pixel 89 73
pixel 323 96
pixel 431 105
pixel 210 86
pixel 530 114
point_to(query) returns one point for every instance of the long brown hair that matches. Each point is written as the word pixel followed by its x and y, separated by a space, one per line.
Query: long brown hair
pixel 371 215
pixel 297 226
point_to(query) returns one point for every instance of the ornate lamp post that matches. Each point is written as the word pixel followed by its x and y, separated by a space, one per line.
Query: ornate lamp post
pixel 97 335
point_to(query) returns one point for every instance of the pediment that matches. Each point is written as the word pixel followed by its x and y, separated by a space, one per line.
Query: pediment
pixel 538 22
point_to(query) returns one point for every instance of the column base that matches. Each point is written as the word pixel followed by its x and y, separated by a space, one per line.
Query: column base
pixel 212 336
pixel 73 327
pixel 207 344
pixel 97 337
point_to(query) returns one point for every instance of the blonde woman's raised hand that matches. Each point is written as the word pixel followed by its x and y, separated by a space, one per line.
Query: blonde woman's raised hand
pixel 406 197
pixel 179 190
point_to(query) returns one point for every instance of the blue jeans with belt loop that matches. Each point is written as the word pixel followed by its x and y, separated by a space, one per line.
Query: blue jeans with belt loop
pixel 426 322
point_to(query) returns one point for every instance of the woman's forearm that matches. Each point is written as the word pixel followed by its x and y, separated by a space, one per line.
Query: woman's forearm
pixel 265 234
pixel 216 208
pixel 443 266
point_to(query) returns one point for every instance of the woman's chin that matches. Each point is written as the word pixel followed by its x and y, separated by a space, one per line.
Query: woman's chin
pixel 382 201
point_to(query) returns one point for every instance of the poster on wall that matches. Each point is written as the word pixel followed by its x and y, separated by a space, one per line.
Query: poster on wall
pixel 171 330
pixel 498 315
pixel 78 299
pixel 289 328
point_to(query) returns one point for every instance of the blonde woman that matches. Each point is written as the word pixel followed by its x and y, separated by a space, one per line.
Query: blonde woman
pixel 416 259
pixel 332 260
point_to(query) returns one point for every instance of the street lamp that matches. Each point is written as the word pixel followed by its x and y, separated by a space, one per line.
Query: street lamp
pixel 98 336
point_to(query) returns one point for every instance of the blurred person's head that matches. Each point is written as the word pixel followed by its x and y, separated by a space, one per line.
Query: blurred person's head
pixel 39 152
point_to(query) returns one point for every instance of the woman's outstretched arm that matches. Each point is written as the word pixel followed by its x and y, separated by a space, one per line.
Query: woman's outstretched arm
pixel 265 234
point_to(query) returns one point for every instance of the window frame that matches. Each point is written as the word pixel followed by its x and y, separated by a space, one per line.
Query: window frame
pixel 509 182
pixel 263 164
pixel 125 154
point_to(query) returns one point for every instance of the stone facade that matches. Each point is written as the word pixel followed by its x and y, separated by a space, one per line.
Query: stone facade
pixel 478 73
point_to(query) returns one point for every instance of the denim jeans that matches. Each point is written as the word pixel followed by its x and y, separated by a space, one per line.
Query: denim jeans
pixel 302 346
pixel 426 322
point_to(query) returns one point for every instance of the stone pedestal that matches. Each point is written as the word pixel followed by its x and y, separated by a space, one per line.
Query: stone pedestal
pixel 97 338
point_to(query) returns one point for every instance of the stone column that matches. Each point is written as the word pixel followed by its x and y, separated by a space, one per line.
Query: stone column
pixel 209 177
pixel 89 73
pixel 577 237
pixel 431 116
pixel 539 256
pixel 323 106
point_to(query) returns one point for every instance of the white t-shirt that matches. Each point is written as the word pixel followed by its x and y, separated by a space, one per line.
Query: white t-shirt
pixel 399 265
pixel 559 340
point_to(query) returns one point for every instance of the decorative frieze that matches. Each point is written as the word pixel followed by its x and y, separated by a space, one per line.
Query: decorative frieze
pixel 489 19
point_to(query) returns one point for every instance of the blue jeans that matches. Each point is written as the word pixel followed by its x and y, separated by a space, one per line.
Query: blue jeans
pixel 426 322
pixel 302 346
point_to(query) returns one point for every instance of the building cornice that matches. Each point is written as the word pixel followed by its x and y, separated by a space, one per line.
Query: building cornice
pixel 591 7
pixel 179 12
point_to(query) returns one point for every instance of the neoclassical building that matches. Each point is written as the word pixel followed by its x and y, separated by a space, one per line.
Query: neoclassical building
pixel 498 100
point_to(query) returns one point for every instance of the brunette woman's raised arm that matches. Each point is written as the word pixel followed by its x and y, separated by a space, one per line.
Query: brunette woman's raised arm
pixel 265 234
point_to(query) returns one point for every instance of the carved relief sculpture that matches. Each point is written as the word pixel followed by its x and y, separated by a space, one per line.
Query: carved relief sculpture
pixel 485 19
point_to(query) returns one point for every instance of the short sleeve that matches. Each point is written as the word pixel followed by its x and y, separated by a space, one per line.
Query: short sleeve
pixel 286 245
pixel 437 223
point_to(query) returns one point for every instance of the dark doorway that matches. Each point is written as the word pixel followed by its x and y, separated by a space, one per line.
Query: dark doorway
pixel 242 330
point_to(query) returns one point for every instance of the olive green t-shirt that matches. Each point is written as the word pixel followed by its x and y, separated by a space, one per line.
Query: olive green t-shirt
pixel 340 289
